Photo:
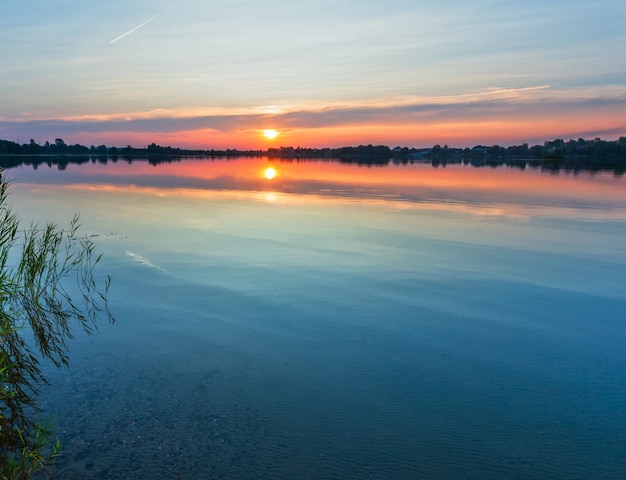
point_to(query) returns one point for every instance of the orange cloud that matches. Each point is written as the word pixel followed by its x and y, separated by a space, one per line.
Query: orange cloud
pixel 497 116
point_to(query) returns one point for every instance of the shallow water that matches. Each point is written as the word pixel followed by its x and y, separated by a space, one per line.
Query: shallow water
pixel 341 321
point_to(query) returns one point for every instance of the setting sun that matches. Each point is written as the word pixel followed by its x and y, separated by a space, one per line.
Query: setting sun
pixel 270 133
pixel 270 173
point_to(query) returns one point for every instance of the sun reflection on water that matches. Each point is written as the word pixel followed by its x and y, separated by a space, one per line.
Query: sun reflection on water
pixel 270 173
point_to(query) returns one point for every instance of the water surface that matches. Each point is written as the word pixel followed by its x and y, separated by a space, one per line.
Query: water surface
pixel 343 321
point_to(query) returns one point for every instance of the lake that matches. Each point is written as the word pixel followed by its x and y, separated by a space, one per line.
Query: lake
pixel 343 321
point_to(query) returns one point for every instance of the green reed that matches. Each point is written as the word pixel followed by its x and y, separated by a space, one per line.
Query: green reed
pixel 47 289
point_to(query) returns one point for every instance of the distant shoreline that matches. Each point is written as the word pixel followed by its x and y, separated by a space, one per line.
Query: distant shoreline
pixel 596 154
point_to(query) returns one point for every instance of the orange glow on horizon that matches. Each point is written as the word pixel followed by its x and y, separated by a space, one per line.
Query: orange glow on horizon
pixel 459 132
pixel 504 116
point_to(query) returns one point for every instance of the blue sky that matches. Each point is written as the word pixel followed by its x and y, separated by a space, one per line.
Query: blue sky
pixel 215 74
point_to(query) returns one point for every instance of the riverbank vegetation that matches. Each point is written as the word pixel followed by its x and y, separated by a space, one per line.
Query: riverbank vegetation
pixel 47 290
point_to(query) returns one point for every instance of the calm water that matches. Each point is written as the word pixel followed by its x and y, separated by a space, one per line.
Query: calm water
pixel 344 322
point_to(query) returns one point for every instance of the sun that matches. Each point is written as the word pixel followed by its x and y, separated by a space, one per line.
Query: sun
pixel 270 133
pixel 269 173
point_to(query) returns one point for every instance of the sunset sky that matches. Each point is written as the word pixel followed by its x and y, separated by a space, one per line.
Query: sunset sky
pixel 208 74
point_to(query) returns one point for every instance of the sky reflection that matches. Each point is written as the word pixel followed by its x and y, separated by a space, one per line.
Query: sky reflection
pixel 481 191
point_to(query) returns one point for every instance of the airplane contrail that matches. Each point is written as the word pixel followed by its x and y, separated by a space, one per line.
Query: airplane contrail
pixel 137 27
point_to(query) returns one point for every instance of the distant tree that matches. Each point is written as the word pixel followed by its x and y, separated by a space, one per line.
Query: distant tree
pixel 10 148
pixel 153 148
pixel 496 152
pixel 518 151
pixel 621 146
pixel 59 145
pixel 33 147
pixel 536 151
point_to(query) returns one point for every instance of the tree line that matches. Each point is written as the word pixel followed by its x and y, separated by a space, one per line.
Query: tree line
pixel 550 150
pixel 581 152
pixel 60 148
